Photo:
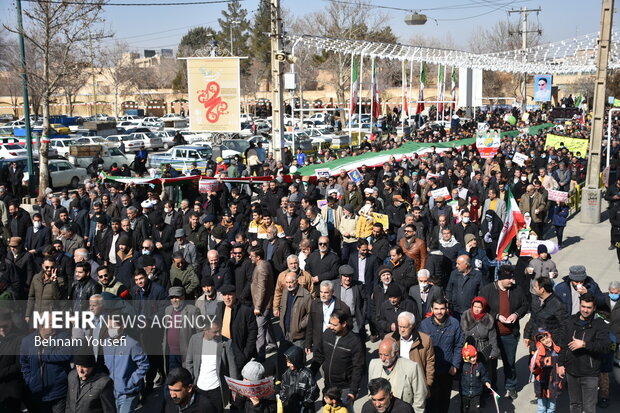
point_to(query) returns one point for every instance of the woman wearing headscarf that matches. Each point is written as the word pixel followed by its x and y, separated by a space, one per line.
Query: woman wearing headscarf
pixel 474 209
pixel 479 330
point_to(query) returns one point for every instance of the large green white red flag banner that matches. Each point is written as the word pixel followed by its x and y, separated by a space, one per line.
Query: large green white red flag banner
pixel 514 222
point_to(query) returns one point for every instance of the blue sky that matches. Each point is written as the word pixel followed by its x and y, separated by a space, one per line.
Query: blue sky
pixel 163 27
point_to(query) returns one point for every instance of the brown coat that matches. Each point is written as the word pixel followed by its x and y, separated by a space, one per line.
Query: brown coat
pixel 416 251
pixel 262 286
pixel 304 279
pixel 538 202
pixel 300 313
pixel 421 352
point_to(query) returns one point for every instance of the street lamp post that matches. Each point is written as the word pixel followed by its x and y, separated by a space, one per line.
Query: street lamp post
pixel 231 23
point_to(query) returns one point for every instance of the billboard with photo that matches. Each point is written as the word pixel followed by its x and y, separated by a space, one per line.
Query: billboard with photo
pixel 542 88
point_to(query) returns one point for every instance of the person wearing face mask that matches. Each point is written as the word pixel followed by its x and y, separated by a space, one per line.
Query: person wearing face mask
pixel 576 284
pixel 38 237
pixel 424 292
pixel 128 366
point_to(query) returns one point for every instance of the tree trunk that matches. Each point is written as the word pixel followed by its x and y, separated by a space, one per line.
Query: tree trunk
pixel 43 145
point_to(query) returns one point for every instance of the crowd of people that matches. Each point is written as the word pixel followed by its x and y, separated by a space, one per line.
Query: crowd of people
pixel 295 291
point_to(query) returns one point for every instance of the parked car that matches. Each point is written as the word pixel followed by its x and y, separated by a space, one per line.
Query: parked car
pixel 167 136
pixel 150 140
pixel 61 145
pixel 114 141
pixel 133 143
pixel 11 149
pixel 182 156
pixel 62 172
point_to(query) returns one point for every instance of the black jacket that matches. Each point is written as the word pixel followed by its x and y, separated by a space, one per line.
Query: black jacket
pixel 37 241
pixel 95 395
pixel 397 406
pixel 326 267
pixel 313 235
pixel 461 290
pixel 242 276
pixel 585 362
pixel 388 314
pixel 439 267
pixel 18 225
pixel 166 237
pixel 200 404
pixel 516 299
pixel 424 307
pixel 343 360
pixel 298 388
pixel 24 265
pixel 380 248
pixel 314 329
pixel 370 273
pixel 281 250
pixel 404 274
pixel 243 329
pixel 220 277
pixel 82 290
pixel 11 381
pixel 550 315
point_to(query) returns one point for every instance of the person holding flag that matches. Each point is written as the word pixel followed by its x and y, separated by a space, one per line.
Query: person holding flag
pixel 512 224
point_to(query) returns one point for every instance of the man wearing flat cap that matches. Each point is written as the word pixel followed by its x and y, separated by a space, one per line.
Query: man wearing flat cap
pixel 388 311
pixel 182 245
pixel 576 284
pixel 90 390
pixel 351 292
pixel 182 327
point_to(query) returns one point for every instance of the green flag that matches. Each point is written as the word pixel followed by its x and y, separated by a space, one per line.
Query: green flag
pixel 355 85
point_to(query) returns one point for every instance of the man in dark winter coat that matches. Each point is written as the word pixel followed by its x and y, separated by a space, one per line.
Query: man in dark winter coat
pixel 19 220
pixel 379 244
pixel 90 391
pixel 382 400
pixel 323 264
pixel 463 286
pixel 239 330
pixel 387 315
pixel 585 343
pixel 507 304
pixel 341 354
pixel 11 381
pixel 547 312
pixel 576 284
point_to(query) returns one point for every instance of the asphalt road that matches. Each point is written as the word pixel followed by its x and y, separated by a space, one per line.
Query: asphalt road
pixel 586 245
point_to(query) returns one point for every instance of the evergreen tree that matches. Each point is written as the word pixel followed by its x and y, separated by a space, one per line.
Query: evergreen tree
pixel 195 39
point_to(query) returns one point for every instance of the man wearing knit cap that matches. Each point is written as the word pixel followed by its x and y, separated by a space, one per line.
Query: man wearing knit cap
pixel 90 391
pixel 387 316
pixel 576 284
pixel 507 304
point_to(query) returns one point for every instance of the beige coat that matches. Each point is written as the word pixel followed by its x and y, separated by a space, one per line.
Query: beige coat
pixel 407 380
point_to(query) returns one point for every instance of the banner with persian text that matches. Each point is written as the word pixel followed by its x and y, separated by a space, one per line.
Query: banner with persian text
pixel 214 94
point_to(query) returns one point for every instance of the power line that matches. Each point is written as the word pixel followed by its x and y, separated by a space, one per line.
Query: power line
pixel 103 3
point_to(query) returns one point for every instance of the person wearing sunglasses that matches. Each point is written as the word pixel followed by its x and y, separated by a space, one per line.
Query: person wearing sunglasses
pixel 46 287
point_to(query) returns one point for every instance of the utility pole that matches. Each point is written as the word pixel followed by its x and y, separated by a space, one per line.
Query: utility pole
pixel 277 57
pixel 231 23
pixel 22 55
pixel 524 11
pixel 92 68
pixel 592 193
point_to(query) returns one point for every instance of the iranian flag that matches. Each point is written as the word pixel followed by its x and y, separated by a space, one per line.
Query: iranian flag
pixel 440 89
pixel 514 222
pixel 420 108
pixel 355 86
pixel 376 109
pixel 453 89
pixel 496 398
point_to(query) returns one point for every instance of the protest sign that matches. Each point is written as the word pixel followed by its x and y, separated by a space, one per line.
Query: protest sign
pixel 259 389
pixel 382 218
pixel 323 173
pixel 529 247
pixel 321 203
pixel 488 143
pixel 558 196
pixel 435 193
pixel 572 144
pixel 206 185
pixel 356 176
pixel 520 158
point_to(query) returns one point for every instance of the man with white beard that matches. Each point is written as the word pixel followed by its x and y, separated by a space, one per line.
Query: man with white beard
pixel 405 376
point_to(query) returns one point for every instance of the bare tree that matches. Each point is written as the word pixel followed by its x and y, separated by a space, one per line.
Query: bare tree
pixel 54 32
pixel 346 21
pixel 75 80
pixel 501 37
pixel 118 66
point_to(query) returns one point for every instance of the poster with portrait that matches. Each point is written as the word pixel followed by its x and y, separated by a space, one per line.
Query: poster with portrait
pixel 542 88
pixel 214 94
